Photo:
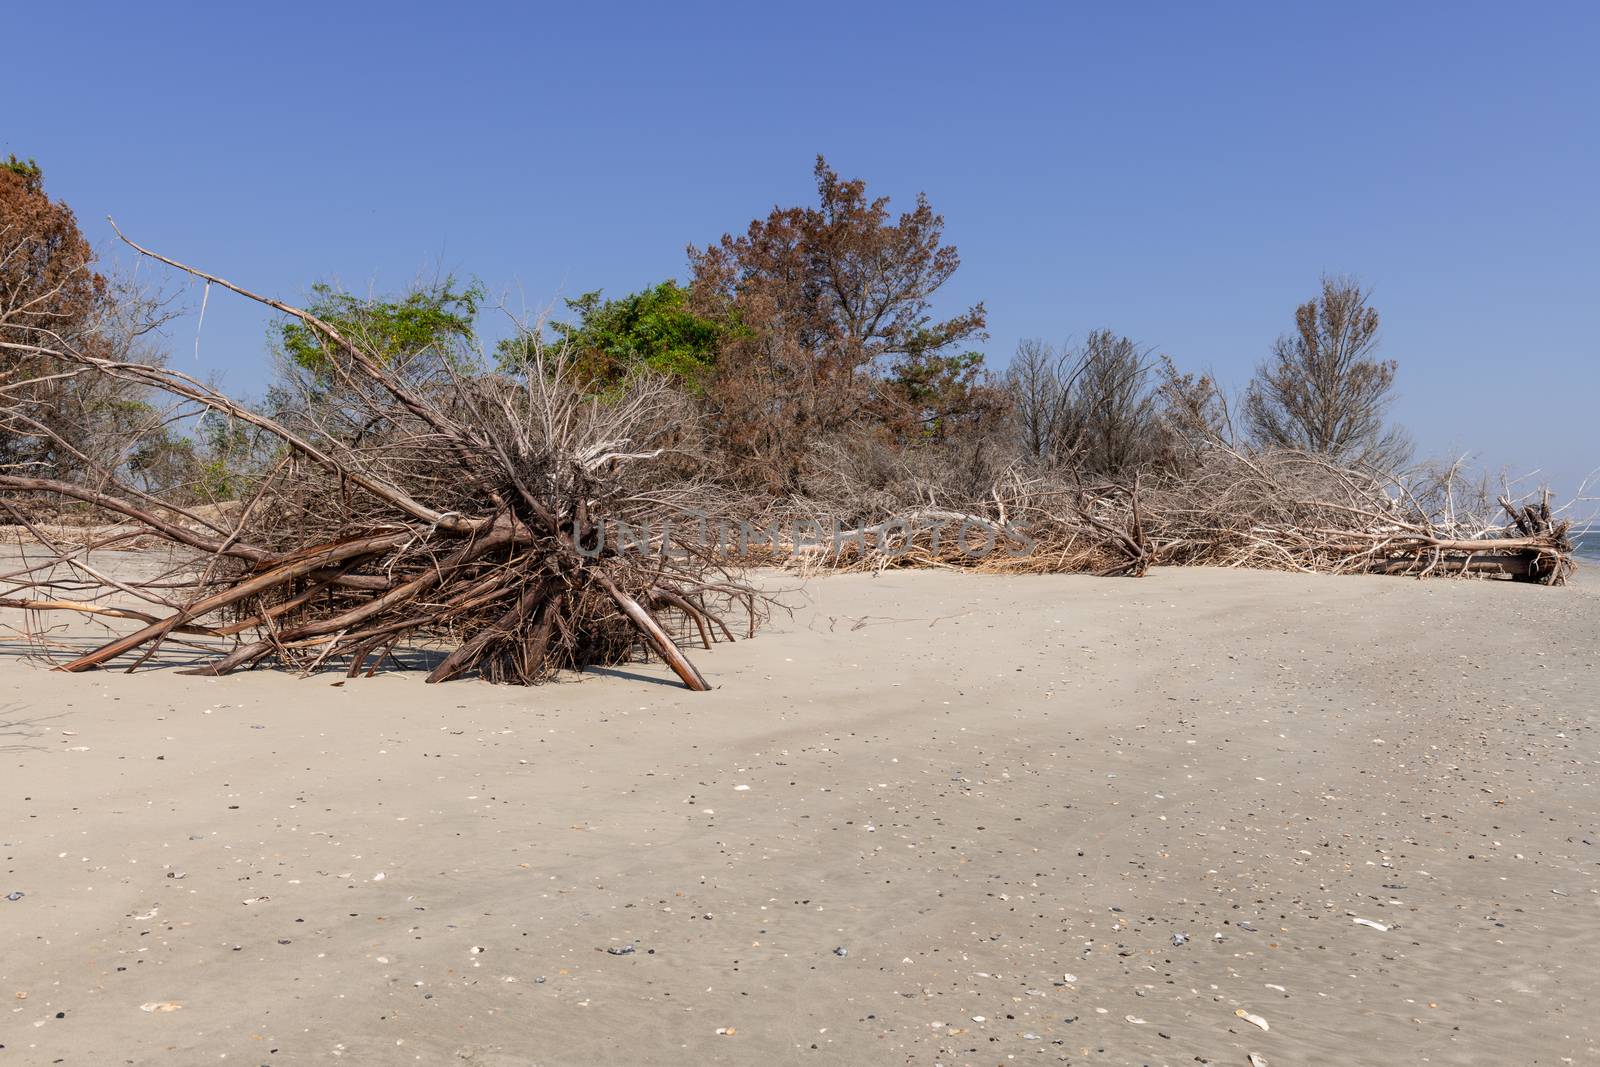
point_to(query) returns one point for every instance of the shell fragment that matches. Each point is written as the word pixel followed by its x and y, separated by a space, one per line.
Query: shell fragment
pixel 1254 1020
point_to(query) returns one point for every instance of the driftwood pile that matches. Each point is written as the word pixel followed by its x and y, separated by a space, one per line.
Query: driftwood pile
pixel 1267 510
pixel 1293 511
pixel 465 513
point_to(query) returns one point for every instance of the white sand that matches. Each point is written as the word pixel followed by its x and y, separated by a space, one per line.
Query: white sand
pixel 976 786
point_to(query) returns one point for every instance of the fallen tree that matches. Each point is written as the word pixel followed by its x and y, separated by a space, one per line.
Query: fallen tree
pixel 465 511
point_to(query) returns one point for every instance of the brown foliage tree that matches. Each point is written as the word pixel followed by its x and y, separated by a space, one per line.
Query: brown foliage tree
pixel 833 327
pixel 50 294
pixel 1322 391
pixel 47 281
pixel 63 421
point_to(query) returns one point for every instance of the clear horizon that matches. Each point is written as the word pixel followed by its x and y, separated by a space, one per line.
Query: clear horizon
pixel 1180 176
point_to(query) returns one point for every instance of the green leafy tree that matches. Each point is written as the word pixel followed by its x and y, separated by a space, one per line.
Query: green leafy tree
pixel 28 170
pixel 430 321
pixel 653 328
pixel 222 458
pixel 932 394
pixel 164 461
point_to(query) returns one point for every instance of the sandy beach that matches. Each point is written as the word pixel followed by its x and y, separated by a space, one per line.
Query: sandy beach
pixel 931 818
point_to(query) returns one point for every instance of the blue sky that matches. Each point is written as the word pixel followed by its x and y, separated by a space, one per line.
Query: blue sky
pixel 1179 173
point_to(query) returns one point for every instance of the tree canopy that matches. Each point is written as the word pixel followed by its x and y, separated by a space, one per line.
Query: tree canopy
pixel 434 319
pixel 814 332
pixel 1321 390
pixel 653 328
pixel 47 278
pixel 832 301
pixel 50 296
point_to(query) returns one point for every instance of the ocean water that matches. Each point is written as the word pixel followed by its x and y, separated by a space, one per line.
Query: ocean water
pixel 1587 547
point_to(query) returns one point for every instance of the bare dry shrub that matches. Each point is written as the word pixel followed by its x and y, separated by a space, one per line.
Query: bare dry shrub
pixel 1322 391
